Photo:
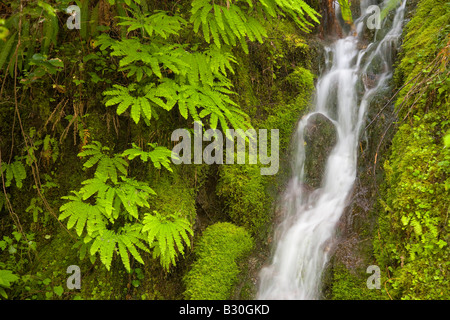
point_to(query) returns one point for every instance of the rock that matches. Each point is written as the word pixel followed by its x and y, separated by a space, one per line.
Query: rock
pixel 320 137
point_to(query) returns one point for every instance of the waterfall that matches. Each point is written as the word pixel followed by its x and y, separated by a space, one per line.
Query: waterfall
pixel 303 239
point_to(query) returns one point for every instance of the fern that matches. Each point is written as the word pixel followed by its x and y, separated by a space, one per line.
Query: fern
pixel 107 167
pixel 158 156
pixel 16 171
pixel 233 23
pixel 224 24
pixel 7 49
pixel 128 239
pixel 169 232
pixel 159 23
pixel 298 10
pixel 81 214
pixel 153 57
pixel 111 198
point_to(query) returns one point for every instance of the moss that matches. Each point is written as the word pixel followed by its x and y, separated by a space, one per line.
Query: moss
pixel 353 286
pixel 242 187
pixel 215 271
pixel 414 232
pixel 426 34
pixel 173 195
pixel 412 241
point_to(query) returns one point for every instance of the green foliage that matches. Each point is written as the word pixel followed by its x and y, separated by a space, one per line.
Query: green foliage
pixel 155 67
pixel 414 229
pixel 215 271
pixel 232 22
pixel 39 21
pixel 107 167
pixel 170 231
pixel 6 278
pixel 199 86
pixel 43 66
pixel 346 11
pixel 107 210
pixel 15 170
pixel 225 23
pixel 243 190
pixel 423 68
pixel 348 285
pixel 413 240
pixel 17 248
pixel 159 156
pixel 159 23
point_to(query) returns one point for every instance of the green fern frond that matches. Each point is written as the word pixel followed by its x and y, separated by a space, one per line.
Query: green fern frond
pixel 158 156
pixel 107 167
pixel 170 233
pixel 82 214
pixel 15 170
pixel 158 23
pixel 6 49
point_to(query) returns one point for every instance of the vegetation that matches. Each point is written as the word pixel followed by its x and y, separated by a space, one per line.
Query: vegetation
pixel 87 114
pixel 412 241
pixel 85 146
pixel 215 271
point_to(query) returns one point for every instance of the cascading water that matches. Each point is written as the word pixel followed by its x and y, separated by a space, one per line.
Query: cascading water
pixel 304 238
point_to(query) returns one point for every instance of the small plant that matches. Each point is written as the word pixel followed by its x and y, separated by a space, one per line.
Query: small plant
pixel 6 278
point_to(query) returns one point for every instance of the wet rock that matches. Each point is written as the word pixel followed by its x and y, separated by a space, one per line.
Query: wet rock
pixel 320 138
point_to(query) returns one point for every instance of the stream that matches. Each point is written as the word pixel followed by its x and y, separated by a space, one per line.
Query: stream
pixel 352 76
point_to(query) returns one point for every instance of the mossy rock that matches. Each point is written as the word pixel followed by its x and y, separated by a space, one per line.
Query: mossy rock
pixel 214 273
pixel 320 138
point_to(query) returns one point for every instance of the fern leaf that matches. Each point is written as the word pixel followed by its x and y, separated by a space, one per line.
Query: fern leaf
pixel 205 12
pixel 6 50
pixel 129 243
pixel 124 254
pixel 218 16
pixel 168 232
pixel 107 246
pixel 136 111
pixel 19 173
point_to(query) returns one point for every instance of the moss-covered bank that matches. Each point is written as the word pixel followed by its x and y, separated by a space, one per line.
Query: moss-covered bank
pixel 398 219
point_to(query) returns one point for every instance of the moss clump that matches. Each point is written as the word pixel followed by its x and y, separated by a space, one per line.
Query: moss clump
pixel 215 271
pixel 242 187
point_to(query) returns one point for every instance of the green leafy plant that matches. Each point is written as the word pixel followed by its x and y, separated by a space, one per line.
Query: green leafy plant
pixel 107 211
pixel 15 170
pixel 169 231
pixel 6 278
pixel 17 246
pixel 39 21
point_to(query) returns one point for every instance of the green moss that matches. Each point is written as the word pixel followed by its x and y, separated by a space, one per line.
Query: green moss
pixel 349 286
pixel 215 271
pixel 426 35
pixel 173 195
pixel 414 225
pixel 242 187
pixel 412 241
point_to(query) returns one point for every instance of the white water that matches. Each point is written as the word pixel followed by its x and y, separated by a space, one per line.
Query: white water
pixel 304 238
